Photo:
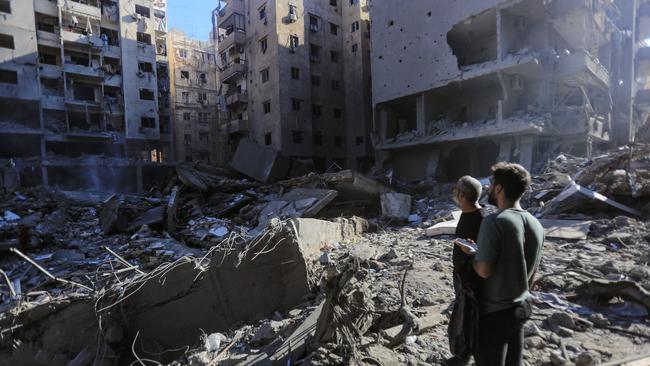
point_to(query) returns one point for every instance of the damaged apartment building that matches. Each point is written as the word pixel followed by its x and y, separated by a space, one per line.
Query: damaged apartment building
pixel 193 73
pixel 458 88
pixel 295 75
pixel 84 92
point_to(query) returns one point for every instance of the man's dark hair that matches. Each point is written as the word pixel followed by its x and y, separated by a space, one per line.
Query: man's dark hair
pixel 514 179
pixel 470 187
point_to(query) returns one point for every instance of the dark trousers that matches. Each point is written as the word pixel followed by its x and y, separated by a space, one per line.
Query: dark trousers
pixel 501 337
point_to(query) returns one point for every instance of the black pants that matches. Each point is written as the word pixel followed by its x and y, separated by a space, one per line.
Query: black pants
pixel 501 337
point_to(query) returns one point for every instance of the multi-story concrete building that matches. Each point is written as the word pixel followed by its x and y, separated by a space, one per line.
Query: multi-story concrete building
pixel 84 91
pixel 194 97
pixel 458 88
pixel 295 75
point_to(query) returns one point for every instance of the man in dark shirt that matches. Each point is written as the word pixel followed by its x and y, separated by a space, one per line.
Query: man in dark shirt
pixel 466 195
pixel 509 249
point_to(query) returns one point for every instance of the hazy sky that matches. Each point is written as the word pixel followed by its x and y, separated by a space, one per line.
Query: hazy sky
pixel 192 16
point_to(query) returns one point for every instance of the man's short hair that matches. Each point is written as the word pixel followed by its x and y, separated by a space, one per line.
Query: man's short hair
pixel 514 179
pixel 470 187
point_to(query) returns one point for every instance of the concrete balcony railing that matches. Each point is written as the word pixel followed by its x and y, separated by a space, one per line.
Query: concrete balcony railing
pixel 90 72
pixel 51 71
pixel 48 39
pixel 235 38
pixel 113 80
pixel 113 51
pixel 47 7
pixel 232 72
pixel 232 7
pixel 236 99
pixel 53 102
pixel 235 126
pixel 80 39
pixel 580 65
pixel 88 9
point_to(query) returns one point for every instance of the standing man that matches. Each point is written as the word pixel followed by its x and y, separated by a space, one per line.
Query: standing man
pixel 509 249
pixel 461 325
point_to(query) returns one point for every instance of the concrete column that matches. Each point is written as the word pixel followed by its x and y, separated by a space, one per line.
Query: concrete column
pixel 505 146
pixel 526 145
pixel 432 166
pixel 421 114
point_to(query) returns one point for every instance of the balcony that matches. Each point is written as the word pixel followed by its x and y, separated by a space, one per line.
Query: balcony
pixel 114 80
pixel 47 7
pixel 86 71
pixel 235 99
pixel 232 7
pixel 50 71
pixel 53 102
pixel 233 72
pixel 48 39
pixel 234 38
pixel 81 39
pixel 235 126
pixel 580 67
pixel 113 51
pixel 88 9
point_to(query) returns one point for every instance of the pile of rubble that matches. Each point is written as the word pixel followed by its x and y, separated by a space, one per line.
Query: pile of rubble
pixel 267 272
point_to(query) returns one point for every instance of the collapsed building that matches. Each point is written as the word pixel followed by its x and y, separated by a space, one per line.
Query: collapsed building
pixel 84 93
pixel 459 88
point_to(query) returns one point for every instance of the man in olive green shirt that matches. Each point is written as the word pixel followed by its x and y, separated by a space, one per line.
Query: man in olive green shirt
pixel 509 249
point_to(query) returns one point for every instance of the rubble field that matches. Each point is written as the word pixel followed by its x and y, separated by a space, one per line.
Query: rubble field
pixel 323 269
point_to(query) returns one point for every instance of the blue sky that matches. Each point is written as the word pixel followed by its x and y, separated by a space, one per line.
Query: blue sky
pixel 192 16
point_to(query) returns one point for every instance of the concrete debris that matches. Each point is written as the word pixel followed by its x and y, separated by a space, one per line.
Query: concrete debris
pixel 251 273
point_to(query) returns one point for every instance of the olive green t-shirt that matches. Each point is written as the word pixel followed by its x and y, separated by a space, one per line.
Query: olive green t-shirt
pixel 512 239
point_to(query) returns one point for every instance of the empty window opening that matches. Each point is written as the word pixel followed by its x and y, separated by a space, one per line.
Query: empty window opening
pixel 8 77
pixel 338 113
pixel 185 74
pixel 334 57
pixel 112 66
pixel 264 45
pixel 203 78
pixel 262 12
pixel 146 94
pixel 143 10
pixel 182 53
pixel 187 116
pixel 47 58
pixel 267 107
pixel 46 23
pixel 78 59
pixel 145 67
pixel 84 93
pixel 355 47
pixel 333 2
pixel 318 139
pixel 474 40
pixel 334 29
pixel 315 80
pixel 110 37
pixel 52 87
pixel 294 42
pixel 297 137
pixel 204 137
pixel 314 53
pixel 295 73
pixel 336 85
pixel 338 141
pixel 352 2
pixel 295 104
pixel 5 6
pixel 55 121
pixel 359 140
pixel 317 110
pixel 264 74
pixel 78 121
pixel 354 27
pixel 144 38
pixel 202 97
pixel 148 122
pixel 268 139
pixel 313 23
pixel 6 41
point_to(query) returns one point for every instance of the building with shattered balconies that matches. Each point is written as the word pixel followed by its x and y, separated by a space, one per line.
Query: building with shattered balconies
pixel 295 75
pixel 194 97
pixel 84 91
pixel 459 88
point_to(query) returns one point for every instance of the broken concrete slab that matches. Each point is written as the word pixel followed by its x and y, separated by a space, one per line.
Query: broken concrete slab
pixel 152 216
pixel 566 229
pixel 261 163
pixel 574 193
pixel 353 185
pixel 442 228
pixel 299 202
pixel 398 333
pixel 395 205
pixel 108 216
